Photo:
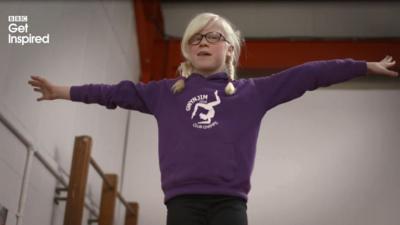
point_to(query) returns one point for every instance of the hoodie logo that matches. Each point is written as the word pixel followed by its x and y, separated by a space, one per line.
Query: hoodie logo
pixel 203 111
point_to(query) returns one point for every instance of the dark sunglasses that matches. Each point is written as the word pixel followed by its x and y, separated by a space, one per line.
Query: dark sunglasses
pixel 211 37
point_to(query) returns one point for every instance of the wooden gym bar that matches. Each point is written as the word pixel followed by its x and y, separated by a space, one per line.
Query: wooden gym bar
pixel 107 204
pixel 101 173
pixel 81 161
pixel 78 180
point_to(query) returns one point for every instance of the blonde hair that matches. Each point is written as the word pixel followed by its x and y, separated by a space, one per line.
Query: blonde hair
pixel 231 35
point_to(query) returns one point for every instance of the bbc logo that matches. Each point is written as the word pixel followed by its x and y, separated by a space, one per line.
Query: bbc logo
pixel 17 18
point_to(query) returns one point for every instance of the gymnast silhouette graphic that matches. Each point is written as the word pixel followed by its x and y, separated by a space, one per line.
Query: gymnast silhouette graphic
pixel 208 106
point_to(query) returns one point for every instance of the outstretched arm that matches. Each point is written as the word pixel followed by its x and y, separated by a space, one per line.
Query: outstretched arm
pixel 125 94
pixel 295 81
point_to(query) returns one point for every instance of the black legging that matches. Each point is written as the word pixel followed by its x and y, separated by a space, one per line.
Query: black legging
pixel 206 210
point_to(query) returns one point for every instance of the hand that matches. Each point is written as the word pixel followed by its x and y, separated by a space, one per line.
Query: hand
pixel 381 67
pixel 43 86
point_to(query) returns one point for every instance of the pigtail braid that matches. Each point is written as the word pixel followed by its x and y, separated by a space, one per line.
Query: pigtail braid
pixel 229 88
pixel 184 71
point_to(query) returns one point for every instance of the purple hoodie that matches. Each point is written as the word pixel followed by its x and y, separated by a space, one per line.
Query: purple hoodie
pixel 207 139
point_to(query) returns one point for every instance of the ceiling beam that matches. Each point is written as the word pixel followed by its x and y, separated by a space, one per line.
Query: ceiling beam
pixel 160 54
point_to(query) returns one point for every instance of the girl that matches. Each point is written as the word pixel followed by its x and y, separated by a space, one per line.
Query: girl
pixel 208 120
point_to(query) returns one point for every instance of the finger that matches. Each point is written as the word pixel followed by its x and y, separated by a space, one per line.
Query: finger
pixel 388 57
pixel 41 79
pixel 32 82
pixel 38 78
pixel 35 83
pixel 392 73
pixel 37 89
pixel 388 64
pixel 35 77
